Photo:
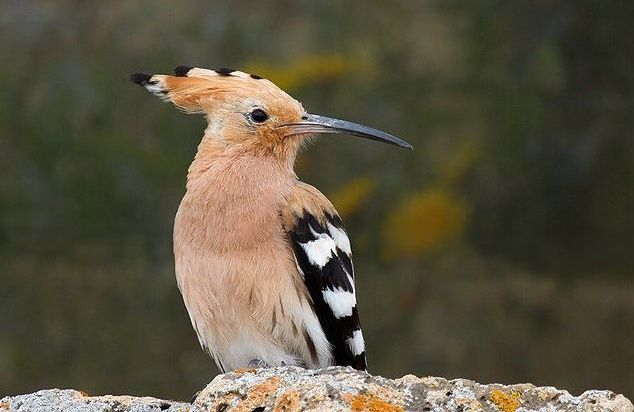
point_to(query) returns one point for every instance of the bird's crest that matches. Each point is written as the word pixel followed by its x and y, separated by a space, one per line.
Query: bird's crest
pixel 198 90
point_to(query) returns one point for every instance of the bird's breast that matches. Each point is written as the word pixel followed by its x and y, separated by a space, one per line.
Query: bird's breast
pixel 235 270
pixel 234 205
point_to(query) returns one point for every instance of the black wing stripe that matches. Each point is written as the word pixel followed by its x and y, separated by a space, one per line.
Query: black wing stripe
pixel 346 262
pixel 336 275
pixel 332 277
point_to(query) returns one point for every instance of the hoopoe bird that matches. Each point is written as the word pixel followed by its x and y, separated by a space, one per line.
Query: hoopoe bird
pixel 262 259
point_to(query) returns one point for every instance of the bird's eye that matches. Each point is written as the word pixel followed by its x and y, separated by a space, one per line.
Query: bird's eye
pixel 259 116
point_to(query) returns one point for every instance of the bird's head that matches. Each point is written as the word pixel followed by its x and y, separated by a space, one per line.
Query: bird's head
pixel 248 113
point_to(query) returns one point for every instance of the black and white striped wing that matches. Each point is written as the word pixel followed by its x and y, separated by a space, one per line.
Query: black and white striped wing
pixel 323 255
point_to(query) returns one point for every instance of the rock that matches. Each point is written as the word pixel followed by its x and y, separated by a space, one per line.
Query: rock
pixel 69 400
pixel 333 389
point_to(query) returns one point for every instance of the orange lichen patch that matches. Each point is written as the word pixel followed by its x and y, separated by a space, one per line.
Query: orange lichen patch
pixel 4 405
pixel 259 394
pixel 385 393
pixel 240 371
pixel 289 401
pixel 506 402
pixel 369 402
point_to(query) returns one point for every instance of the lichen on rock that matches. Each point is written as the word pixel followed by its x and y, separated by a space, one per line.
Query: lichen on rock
pixel 333 389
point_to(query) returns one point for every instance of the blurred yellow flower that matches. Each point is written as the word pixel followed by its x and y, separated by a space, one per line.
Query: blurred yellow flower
pixel 305 69
pixel 348 199
pixel 423 222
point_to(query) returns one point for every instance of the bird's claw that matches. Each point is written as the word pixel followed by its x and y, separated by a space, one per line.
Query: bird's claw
pixel 258 364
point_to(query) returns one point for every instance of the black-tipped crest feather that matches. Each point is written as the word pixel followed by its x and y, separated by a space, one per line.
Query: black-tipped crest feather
pixel 181 71
pixel 140 78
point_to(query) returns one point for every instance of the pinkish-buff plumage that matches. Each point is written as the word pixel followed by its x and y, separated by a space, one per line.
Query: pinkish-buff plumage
pixel 262 259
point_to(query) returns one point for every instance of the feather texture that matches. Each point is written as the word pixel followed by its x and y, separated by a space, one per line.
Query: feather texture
pixel 322 251
pixel 262 260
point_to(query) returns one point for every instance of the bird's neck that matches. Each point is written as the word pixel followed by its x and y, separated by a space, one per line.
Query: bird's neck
pixel 233 198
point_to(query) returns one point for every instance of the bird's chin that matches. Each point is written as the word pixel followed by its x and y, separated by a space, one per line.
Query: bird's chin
pixel 308 138
pixel 286 149
pixel 300 141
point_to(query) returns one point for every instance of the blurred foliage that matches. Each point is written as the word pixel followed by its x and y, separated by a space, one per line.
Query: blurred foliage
pixel 309 69
pixel 510 227
pixel 423 222
pixel 350 198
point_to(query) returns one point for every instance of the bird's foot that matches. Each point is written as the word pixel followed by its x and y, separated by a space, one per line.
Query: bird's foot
pixel 258 364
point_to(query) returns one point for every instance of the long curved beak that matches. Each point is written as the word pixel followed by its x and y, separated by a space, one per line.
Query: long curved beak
pixel 313 123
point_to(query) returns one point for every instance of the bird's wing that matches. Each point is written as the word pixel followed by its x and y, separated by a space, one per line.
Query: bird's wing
pixel 324 260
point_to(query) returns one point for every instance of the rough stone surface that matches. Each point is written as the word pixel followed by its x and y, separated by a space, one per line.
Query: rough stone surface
pixel 333 389
pixel 75 401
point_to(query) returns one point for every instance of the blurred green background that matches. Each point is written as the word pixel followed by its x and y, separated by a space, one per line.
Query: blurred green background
pixel 501 249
